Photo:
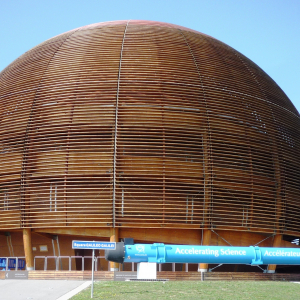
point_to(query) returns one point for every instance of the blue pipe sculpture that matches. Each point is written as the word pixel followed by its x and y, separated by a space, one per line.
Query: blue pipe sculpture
pixel 161 253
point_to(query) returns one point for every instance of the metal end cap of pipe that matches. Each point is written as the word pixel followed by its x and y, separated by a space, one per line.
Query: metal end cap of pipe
pixel 116 255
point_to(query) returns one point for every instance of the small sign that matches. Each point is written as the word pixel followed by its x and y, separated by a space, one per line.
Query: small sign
pixel 93 245
pixel 123 276
pixel 16 275
pixel 43 248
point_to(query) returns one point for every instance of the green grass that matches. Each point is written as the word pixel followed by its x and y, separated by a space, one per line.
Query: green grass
pixel 190 290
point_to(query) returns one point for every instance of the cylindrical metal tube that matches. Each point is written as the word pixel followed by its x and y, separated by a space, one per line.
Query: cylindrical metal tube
pixel 160 253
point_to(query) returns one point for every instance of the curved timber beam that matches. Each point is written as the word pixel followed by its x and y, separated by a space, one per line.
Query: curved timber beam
pixel 28 248
pixel 276 243
pixel 206 242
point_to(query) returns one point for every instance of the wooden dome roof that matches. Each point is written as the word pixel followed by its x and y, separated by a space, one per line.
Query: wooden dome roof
pixel 145 124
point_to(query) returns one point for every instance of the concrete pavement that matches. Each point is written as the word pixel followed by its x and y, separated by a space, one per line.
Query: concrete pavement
pixel 40 289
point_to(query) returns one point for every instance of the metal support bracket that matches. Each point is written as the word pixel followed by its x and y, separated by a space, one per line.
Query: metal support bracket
pixel 258 258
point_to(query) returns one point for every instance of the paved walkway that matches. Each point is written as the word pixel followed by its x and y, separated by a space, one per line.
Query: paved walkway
pixel 40 289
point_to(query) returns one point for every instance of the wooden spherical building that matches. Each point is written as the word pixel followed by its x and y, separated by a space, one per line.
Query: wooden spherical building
pixel 146 130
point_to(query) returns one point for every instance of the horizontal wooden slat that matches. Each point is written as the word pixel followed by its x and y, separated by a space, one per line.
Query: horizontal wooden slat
pixel 172 276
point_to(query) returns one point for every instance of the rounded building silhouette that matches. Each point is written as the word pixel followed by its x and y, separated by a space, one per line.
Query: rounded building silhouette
pixel 146 130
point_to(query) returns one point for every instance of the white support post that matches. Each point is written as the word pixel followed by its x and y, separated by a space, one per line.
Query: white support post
pixel 146 270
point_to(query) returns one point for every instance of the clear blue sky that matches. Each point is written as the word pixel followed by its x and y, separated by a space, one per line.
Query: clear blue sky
pixel 266 31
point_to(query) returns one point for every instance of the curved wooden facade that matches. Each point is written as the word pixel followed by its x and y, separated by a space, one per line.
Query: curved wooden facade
pixel 137 124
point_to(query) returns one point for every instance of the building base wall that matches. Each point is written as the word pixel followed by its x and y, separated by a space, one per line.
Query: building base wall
pixel 51 243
